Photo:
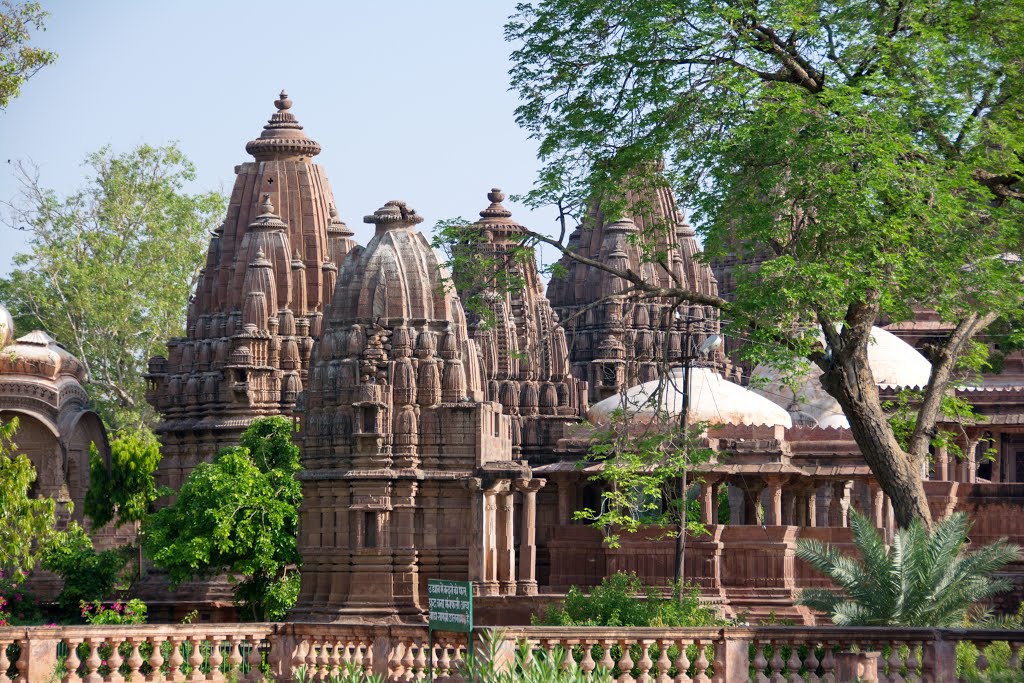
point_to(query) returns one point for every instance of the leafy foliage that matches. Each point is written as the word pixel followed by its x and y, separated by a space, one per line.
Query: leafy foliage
pixel 240 514
pixel 526 666
pixel 18 606
pixel 131 612
pixel 25 522
pixel 19 60
pixel 855 161
pixel 924 579
pixel 644 468
pixel 124 491
pixel 622 600
pixel 88 575
pixel 110 267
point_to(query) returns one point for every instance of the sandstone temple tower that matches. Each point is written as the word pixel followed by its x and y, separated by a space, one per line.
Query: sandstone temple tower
pixel 408 473
pixel 523 348
pixel 614 345
pixel 270 273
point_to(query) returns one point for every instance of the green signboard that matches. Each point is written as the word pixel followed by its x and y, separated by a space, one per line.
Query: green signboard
pixel 451 605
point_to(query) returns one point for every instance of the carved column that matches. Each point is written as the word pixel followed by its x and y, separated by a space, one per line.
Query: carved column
pixel 997 464
pixel 564 500
pixel 970 461
pixel 838 513
pixel 773 510
pixel 877 505
pixel 812 506
pixel 708 501
pixel 528 535
pixel 942 468
pixel 477 542
pixel 490 538
pixel 716 490
pixel 506 540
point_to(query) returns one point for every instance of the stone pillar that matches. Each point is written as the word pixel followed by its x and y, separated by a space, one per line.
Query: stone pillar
pixel 736 507
pixel 707 503
pixel 839 509
pixel 564 500
pixel 528 535
pixel 971 461
pixel 942 472
pixel 773 510
pixel 506 541
pixel 812 506
pixel 490 554
pixel 997 464
pixel 716 490
pixel 477 544
pixel 877 505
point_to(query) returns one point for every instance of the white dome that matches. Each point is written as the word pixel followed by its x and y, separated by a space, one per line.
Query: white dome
pixel 713 399
pixel 6 326
pixel 894 363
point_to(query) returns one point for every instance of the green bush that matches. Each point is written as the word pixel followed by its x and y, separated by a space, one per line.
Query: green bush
pixel 622 600
pixel 88 575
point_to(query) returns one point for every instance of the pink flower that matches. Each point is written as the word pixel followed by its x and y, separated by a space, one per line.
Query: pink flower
pixel 17 597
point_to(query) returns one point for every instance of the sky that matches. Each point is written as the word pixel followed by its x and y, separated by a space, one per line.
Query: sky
pixel 409 100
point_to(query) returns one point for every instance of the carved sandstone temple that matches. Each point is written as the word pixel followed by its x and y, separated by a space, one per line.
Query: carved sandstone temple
pixel 269 276
pixel 614 345
pixel 523 348
pixel 408 471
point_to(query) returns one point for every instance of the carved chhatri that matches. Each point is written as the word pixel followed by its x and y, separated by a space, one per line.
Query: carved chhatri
pixel 269 275
pixel 403 457
pixel 523 348
pixel 613 344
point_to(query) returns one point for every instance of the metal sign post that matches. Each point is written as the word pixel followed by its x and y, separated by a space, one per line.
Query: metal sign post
pixel 451 609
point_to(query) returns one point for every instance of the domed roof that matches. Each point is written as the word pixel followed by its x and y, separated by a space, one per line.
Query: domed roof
pixel 282 137
pixel 6 326
pixel 713 399
pixel 37 354
pixel 894 363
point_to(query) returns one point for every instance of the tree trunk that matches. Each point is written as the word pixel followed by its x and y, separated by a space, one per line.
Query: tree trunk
pixel 850 381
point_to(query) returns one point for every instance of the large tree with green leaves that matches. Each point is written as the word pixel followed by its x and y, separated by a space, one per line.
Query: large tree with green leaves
pixel 19 60
pixel 238 514
pixel 110 267
pixel 864 158
pixel 26 522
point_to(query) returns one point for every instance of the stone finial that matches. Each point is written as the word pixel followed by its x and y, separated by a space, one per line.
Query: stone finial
pixel 267 207
pixel 282 137
pixel 394 214
pixel 337 227
pixel 496 210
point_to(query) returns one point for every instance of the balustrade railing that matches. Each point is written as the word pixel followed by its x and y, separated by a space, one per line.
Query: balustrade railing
pixel 253 652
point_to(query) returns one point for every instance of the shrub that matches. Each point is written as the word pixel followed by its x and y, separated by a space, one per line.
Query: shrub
pixel 615 603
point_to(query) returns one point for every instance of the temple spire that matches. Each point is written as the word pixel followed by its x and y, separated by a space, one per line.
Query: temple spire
pixel 282 137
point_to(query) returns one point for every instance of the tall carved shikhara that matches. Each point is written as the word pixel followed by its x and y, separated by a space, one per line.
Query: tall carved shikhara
pixel 400 448
pixel 270 273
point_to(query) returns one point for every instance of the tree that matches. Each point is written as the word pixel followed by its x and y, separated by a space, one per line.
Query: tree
pixel 239 514
pixel 125 491
pixel 110 267
pixel 859 159
pixel 19 61
pixel 925 579
pixel 647 472
pixel 88 575
pixel 25 522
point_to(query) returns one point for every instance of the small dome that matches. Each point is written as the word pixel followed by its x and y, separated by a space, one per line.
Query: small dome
pixel 713 399
pixel 894 363
pixel 6 326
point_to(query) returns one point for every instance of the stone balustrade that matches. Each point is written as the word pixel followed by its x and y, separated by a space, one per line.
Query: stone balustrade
pixel 249 652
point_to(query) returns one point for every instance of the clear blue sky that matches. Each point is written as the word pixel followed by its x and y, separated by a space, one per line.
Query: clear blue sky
pixel 409 100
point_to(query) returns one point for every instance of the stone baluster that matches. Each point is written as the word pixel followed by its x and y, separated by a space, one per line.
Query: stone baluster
pixel 700 666
pixel 401 666
pixel 21 663
pixel 645 663
pixel 895 663
pixel 235 656
pixel 92 662
pixel 195 658
pixel 216 659
pixel 626 663
pixel 683 664
pixel 323 660
pixel 114 661
pixel 811 664
pixel 793 664
pixel 255 658
pixel 828 664
pixel 664 664
pixel 776 663
pixel 587 663
pixel 176 660
pixel 760 664
pixel 156 660
pixel 1014 663
pixel 71 665
pixel 421 663
pixel 607 663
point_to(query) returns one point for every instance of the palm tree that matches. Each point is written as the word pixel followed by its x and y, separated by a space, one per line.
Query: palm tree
pixel 924 579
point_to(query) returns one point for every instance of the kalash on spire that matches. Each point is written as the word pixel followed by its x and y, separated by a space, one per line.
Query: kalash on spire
pixel 270 274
